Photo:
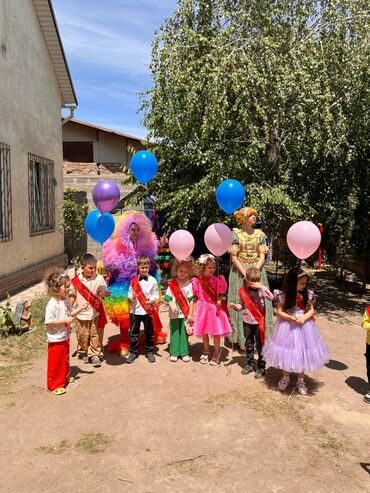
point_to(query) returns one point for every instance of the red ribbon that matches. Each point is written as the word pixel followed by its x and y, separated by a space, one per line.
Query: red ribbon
pixel 179 297
pixel 255 310
pixel 213 295
pixel 92 299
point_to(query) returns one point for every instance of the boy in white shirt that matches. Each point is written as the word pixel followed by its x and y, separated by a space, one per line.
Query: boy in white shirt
pixel 143 294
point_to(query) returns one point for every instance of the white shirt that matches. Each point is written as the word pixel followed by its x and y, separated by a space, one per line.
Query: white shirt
pixel 151 292
pixel 187 290
pixel 57 310
pixel 92 284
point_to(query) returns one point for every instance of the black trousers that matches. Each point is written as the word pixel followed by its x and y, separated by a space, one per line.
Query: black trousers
pixel 253 340
pixel 367 356
pixel 134 333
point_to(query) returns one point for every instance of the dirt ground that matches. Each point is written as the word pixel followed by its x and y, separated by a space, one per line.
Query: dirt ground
pixel 186 427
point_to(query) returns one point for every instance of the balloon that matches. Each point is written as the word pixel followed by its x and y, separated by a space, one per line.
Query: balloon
pixel 230 195
pixel 99 226
pixel 144 166
pixel 218 238
pixel 106 195
pixel 303 239
pixel 181 244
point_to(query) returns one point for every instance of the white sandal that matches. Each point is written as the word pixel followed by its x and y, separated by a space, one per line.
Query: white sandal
pixel 173 359
pixel 283 383
pixel 186 358
pixel 204 359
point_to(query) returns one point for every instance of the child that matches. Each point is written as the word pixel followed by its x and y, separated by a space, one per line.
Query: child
pixel 89 286
pixel 295 344
pixel 366 325
pixel 211 315
pixel 143 294
pixel 252 299
pixel 179 296
pixel 58 319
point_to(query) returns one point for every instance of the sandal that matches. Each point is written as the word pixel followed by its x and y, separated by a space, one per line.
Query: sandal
pixel 173 358
pixel 204 359
pixel 71 379
pixel 283 383
pixel 215 361
pixel 186 358
pixel 59 391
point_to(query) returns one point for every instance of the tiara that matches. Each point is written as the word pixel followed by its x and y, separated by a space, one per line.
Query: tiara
pixel 203 259
pixel 61 276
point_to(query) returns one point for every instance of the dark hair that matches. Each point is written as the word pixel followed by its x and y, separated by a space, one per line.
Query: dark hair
pixel 290 289
pixel 88 258
pixel 253 274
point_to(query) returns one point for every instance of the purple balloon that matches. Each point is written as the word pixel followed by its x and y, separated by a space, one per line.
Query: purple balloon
pixel 106 195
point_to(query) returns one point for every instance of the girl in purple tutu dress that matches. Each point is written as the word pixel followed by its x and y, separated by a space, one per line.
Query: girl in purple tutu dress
pixel 211 315
pixel 295 344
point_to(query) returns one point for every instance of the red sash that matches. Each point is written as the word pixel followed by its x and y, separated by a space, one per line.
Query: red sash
pixel 255 310
pixel 213 295
pixel 151 310
pixel 179 297
pixel 368 311
pixel 300 304
pixel 92 299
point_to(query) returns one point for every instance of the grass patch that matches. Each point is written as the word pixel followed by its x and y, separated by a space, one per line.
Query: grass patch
pixel 93 443
pixel 54 449
pixel 16 351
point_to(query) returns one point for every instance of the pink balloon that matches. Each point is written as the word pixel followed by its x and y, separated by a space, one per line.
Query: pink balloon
pixel 181 244
pixel 303 239
pixel 218 238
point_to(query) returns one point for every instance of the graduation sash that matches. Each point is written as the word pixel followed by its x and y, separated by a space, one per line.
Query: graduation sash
pixel 179 297
pixel 255 310
pixel 213 295
pixel 150 309
pixel 92 299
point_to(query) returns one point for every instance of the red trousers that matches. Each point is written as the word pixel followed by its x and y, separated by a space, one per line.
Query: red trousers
pixel 58 364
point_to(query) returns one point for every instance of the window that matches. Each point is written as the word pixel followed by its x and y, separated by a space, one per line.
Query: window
pixel 78 152
pixel 5 195
pixel 41 195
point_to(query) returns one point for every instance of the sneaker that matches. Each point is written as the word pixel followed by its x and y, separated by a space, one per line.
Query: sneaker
pixel 260 373
pixel 131 358
pixel 302 387
pixel 83 357
pixel 173 359
pixel 367 398
pixel 283 383
pixel 151 357
pixel 96 361
pixel 248 369
pixel 186 358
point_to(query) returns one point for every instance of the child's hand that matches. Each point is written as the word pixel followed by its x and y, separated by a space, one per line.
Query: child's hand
pixel 189 330
pixel 233 306
pixel 69 320
pixel 83 307
pixel 255 285
pixel 300 320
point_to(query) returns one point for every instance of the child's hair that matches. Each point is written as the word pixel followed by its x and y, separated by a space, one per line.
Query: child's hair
pixel 253 274
pixel 142 259
pixel 290 288
pixel 241 215
pixel 176 264
pixel 202 261
pixel 54 278
pixel 88 258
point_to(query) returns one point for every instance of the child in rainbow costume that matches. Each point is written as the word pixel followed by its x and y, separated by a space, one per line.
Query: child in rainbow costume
pixel 132 237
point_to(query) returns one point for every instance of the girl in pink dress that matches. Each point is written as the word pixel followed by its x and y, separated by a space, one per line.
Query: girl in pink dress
pixel 211 316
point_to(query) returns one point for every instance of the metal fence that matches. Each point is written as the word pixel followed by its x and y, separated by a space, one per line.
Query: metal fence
pixel 6 233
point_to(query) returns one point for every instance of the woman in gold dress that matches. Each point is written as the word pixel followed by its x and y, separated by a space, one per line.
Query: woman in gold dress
pixel 248 250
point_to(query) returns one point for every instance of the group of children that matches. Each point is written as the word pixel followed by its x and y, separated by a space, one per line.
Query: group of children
pixel 196 306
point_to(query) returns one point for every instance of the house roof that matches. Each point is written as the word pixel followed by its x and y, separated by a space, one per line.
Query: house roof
pixel 45 13
pixel 107 130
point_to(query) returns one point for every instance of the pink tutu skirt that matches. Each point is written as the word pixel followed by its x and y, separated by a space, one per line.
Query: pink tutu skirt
pixel 296 348
pixel 211 320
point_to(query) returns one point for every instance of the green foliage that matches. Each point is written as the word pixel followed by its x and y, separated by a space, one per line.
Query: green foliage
pixel 73 217
pixel 274 94
pixel 7 324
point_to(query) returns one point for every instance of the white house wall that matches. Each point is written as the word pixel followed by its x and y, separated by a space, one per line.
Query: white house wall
pixel 30 122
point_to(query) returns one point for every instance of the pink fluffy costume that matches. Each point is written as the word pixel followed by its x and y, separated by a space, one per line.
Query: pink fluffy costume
pixel 119 256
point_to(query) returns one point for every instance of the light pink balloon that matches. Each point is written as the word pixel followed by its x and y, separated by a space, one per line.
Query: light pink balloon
pixel 181 244
pixel 218 238
pixel 303 239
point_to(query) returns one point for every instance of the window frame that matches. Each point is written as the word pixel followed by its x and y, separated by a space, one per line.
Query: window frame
pixel 6 229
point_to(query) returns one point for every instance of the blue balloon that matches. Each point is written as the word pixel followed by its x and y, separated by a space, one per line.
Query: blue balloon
pixel 144 166
pixel 230 195
pixel 99 226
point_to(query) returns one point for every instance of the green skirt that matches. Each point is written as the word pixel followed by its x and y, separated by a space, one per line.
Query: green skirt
pixel 235 283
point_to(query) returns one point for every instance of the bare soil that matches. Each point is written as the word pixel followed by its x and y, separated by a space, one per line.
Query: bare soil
pixel 188 427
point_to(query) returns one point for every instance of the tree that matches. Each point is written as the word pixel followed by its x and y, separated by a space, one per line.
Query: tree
pixel 273 93
pixel 73 217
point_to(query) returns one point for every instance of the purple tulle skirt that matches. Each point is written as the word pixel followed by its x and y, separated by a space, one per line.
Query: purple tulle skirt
pixel 296 348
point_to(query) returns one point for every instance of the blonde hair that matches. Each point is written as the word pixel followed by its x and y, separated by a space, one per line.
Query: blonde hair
pixel 143 259
pixel 241 215
pixel 253 274
pixel 176 264
pixel 54 278
pixel 202 261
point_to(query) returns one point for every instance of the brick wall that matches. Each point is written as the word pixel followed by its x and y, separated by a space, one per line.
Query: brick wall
pixel 27 277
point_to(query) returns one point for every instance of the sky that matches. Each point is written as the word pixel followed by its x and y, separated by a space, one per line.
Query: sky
pixel 108 47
